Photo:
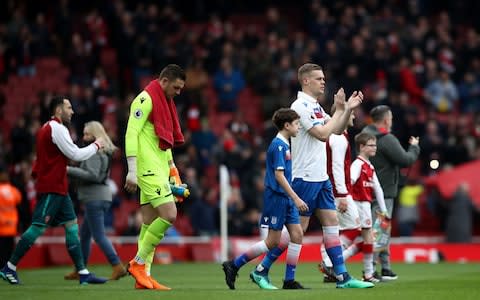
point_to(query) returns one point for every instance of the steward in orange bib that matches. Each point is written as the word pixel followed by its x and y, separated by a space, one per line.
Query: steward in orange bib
pixel 10 198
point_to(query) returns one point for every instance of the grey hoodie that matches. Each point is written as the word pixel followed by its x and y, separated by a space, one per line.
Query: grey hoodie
pixel 389 159
pixel 91 176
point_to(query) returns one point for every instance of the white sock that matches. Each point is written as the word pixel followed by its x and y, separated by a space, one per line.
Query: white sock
pixel 139 260
pixel 368 264
pixel 293 253
pixel 83 272
pixel 257 249
pixel 11 266
pixel 350 251
pixel 326 260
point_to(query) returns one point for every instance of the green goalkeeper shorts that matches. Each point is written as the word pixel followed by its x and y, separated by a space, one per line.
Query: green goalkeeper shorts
pixel 155 190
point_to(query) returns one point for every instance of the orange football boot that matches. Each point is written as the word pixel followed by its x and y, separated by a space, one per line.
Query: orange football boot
pixel 158 286
pixel 138 272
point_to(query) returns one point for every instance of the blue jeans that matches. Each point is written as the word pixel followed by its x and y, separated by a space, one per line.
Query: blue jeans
pixel 93 225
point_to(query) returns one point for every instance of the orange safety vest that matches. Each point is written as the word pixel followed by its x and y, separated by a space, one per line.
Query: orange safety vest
pixel 10 197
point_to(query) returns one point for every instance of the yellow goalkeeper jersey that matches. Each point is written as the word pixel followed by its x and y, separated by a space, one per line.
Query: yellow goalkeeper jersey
pixel 141 140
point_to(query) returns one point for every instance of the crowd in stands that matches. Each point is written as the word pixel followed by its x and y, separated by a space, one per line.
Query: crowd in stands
pixel 420 57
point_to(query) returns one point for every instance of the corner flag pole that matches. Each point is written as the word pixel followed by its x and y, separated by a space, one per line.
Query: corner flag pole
pixel 225 191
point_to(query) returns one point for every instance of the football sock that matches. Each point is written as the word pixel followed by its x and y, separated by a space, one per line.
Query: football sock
pixel 293 253
pixel 26 241
pixel 273 254
pixel 352 250
pixel 270 258
pixel 326 260
pixel 252 252
pixel 368 259
pixel 153 235
pixel 73 246
pixel 149 260
pixel 334 251
pixel 346 239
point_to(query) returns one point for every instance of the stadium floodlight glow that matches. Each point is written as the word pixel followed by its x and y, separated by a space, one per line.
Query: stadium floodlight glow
pixel 434 164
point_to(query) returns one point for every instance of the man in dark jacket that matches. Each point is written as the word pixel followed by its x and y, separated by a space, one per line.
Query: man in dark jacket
pixel 389 159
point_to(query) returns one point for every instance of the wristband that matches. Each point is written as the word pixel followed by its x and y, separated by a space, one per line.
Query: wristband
pixel 132 164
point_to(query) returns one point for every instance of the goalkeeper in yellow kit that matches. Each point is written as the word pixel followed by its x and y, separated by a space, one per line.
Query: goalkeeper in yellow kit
pixel 153 130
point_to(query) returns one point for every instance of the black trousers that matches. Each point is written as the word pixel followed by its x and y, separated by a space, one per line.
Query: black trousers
pixel 6 248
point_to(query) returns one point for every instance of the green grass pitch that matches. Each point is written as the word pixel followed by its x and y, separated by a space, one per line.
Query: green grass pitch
pixel 206 281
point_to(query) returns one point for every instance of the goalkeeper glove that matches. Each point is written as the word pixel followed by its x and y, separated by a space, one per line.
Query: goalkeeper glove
pixel 176 183
pixel 180 191
pixel 175 176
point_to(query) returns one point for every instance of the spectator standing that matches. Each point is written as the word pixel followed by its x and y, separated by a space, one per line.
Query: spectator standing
pixel 389 158
pixel 443 93
pixel 96 195
pixel 228 83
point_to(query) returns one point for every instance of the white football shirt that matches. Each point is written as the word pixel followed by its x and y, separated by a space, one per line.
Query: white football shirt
pixel 309 155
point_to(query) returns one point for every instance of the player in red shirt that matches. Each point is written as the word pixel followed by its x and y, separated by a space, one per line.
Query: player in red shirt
pixel 366 187
pixel 338 168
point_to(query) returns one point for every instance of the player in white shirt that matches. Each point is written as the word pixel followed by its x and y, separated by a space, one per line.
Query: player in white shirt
pixel 309 160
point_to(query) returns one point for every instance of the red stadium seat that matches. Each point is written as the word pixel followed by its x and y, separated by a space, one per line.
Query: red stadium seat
pixel 122 213
pixel 108 60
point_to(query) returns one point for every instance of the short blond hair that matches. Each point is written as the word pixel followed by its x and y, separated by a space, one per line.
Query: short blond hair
pixel 306 69
pixel 97 130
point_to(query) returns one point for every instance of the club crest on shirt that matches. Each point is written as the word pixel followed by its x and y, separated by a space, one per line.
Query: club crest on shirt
pixel 318 112
pixel 280 148
pixel 138 113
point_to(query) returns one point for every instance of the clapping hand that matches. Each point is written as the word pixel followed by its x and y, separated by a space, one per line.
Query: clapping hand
pixel 339 100
pixel 355 100
pixel 414 140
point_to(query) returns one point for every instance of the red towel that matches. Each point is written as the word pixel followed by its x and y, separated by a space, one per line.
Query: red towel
pixel 164 117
